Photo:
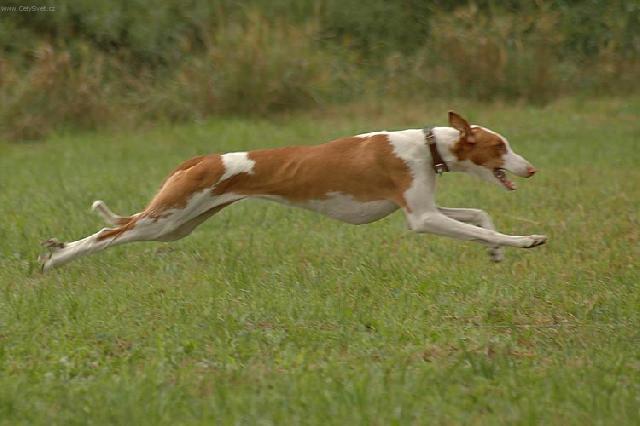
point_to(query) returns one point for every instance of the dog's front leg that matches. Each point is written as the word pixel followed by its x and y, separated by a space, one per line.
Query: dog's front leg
pixel 433 221
pixel 479 218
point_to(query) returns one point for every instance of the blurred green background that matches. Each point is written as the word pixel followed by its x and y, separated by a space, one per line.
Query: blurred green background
pixel 88 63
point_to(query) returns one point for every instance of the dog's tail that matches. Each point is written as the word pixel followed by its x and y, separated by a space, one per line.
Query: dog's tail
pixel 110 217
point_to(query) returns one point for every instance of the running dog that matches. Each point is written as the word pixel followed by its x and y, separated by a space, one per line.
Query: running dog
pixel 357 180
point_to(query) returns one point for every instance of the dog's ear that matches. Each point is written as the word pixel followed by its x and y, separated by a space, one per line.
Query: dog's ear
pixel 460 124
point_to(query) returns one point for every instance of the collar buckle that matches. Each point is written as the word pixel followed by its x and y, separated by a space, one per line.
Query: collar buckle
pixel 440 168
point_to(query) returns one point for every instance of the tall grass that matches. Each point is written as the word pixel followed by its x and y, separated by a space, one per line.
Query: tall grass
pixel 91 63
pixel 254 66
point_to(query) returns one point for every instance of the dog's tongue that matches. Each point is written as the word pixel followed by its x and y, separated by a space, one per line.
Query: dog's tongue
pixel 509 185
pixel 501 175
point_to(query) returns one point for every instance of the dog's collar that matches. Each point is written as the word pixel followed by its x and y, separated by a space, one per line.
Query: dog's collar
pixel 438 164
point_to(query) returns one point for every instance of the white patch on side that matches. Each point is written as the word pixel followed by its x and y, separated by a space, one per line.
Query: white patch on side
pixel 410 146
pixel 236 163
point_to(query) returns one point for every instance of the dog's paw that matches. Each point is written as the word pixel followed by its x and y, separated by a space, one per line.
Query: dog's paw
pixel 52 245
pixel 534 241
pixel 43 261
pixel 496 254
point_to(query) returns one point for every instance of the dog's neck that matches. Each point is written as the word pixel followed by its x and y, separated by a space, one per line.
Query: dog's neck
pixel 446 138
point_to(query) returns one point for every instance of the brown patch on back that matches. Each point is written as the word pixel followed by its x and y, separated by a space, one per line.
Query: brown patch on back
pixel 193 175
pixel 363 167
pixel 487 150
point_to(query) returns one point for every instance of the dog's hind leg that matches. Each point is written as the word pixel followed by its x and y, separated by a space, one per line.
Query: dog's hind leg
pixel 479 218
pixel 171 226
pixel 59 253
pixel 191 224
pixel 185 200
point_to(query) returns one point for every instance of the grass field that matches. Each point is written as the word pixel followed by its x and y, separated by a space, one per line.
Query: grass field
pixel 268 315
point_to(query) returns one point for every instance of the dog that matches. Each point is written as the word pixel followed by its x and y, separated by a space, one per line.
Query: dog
pixel 356 180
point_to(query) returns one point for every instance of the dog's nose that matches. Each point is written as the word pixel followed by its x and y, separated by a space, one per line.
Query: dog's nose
pixel 531 170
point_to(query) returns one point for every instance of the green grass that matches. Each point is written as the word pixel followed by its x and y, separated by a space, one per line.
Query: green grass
pixel 269 315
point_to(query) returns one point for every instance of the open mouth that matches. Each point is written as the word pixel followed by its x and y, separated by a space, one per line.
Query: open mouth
pixel 501 175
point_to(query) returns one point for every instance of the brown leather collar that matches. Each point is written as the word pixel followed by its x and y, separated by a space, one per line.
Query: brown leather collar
pixel 438 164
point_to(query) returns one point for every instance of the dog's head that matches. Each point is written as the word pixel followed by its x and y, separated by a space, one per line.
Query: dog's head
pixel 487 154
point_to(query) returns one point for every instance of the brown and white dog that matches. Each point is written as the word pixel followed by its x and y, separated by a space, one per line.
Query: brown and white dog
pixel 356 180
